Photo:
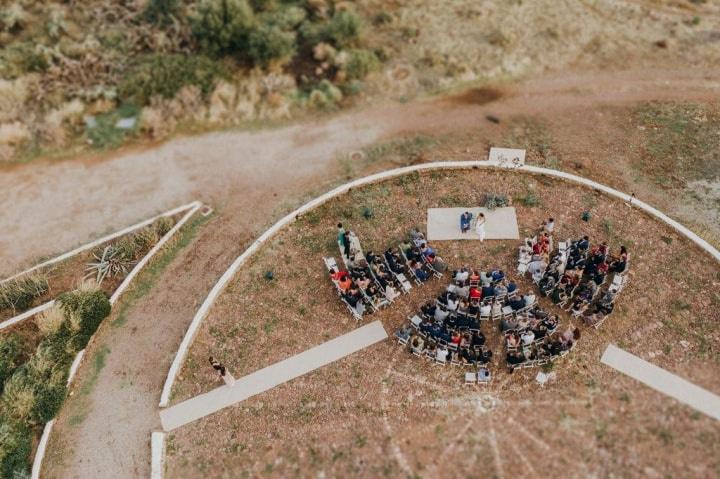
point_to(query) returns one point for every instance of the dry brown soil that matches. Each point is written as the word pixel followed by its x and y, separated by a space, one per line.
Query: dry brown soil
pixel 251 178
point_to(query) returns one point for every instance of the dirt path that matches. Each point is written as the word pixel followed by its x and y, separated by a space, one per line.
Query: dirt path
pixel 250 178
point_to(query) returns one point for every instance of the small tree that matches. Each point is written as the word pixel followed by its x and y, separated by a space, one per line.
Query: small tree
pixel 268 43
pixel 222 26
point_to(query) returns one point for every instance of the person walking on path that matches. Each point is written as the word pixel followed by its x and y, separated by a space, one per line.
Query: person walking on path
pixel 480 226
pixel 222 371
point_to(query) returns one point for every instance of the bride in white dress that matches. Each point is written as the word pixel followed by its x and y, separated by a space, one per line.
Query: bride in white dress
pixel 480 226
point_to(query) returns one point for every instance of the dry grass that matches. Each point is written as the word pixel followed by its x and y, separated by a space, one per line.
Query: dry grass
pixel 384 412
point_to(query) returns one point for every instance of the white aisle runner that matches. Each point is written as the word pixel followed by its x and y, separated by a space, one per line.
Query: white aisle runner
pixel 271 376
pixel 444 224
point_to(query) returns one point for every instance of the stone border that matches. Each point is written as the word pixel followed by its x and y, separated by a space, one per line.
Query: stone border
pixel 440 165
pixel 100 241
pixel 193 207
pixel 157 462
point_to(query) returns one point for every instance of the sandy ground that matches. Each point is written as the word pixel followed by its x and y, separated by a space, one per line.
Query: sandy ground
pixel 250 177
pixel 74 201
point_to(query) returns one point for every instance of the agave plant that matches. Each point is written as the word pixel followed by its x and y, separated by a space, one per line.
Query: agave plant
pixel 109 263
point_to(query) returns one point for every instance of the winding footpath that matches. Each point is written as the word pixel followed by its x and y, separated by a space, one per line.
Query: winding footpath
pixel 250 179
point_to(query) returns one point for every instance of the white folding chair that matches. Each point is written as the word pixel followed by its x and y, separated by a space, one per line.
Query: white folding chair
pixel 470 379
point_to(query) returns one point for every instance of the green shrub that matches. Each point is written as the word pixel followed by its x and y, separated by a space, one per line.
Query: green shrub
pixel 163 225
pixel 493 201
pixel 531 199
pixel 126 248
pixel 91 307
pixel 268 43
pixel 146 238
pixel 222 27
pixel 160 11
pixel 18 397
pixel 286 18
pixel 15 445
pixel 165 75
pixel 342 30
pixel 360 63
pixel 19 293
pixel 11 349
pixel 49 398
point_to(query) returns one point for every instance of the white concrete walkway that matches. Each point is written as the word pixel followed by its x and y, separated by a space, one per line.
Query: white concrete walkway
pixel 271 376
pixel 663 381
pixel 444 224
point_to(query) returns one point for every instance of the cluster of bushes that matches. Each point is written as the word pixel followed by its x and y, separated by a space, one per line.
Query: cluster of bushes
pixel 493 201
pixel 19 293
pixel 130 247
pixel 34 392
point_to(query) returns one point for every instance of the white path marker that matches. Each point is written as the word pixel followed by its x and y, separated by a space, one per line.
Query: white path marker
pixel 271 376
pixel 663 381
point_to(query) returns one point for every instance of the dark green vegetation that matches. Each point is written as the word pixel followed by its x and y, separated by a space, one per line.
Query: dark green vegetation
pixel 107 61
pixel 33 391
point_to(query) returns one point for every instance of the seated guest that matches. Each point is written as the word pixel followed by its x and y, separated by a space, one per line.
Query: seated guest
pixel 417 344
pixel 427 251
pixel 345 283
pixel 485 309
pixel 558 295
pixel 440 315
pixel 496 309
pixel 583 244
pixel 529 299
pixel 488 291
pixel 500 290
pixel 363 282
pixel 419 272
pixel 390 292
pixel 452 302
pixel 511 287
pixel 441 354
pixel 497 275
pixel 536 269
pixel 428 309
pixel 465 221
pixel 512 339
pixel 455 338
pixel 485 356
pixel 570 335
pixel 527 337
pixel 517 303
pixel 549 225
pixel 552 322
pixel 619 264
pixel 461 275
pixel 593 318
pixel 475 293
pixel 465 340
pixel 474 277
pixel 478 339
pixel 514 358
pixel 507 324
pixel 473 309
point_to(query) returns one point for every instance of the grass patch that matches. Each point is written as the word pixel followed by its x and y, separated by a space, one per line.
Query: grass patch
pixel 681 142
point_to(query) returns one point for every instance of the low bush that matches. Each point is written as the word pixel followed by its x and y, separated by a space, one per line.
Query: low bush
pixel 91 307
pixel 222 27
pixel 163 225
pixel 15 445
pixel 50 320
pixel 19 293
pixel 164 75
pixel 146 237
pixel 268 43
pixel 493 201
pixel 360 63
pixel 11 348
pixel 160 11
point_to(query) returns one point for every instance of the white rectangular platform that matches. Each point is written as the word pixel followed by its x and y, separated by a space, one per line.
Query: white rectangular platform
pixel 271 376
pixel 444 224
pixel 663 381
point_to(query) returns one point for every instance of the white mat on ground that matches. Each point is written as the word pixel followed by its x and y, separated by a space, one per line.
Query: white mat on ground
pixel 444 224
pixel 271 376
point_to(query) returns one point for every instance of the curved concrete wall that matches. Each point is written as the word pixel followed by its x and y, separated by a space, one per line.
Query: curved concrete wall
pixel 449 165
